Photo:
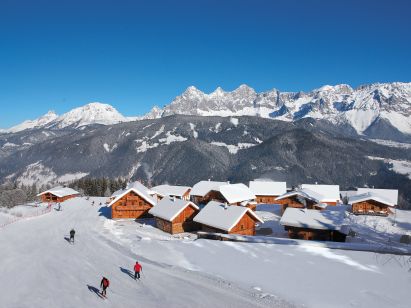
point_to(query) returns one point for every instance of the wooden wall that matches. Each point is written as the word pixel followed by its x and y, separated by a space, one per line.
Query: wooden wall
pixel 48 197
pixel 267 199
pixel 293 202
pixel 315 235
pixel 130 205
pixel 370 207
pixel 182 223
pixel 246 226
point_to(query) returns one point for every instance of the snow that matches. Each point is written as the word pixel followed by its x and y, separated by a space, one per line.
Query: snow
pixel 330 193
pixel 172 138
pixel 136 187
pixel 389 195
pixel 398 166
pixel 304 193
pixel 232 148
pixel 158 132
pixel 68 177
pixel 29 124
pixel 169 208
pixel 60 191
pixel 170 190
pixel 203 187
pixel 392 144
pixel 193 128
pixel 234 121
pixel 234 193
pixel 369 196
pixel 211 273
pixel 221 216
pixel 268 188
pixel 108 148
pixel 144 146
pixel 313 219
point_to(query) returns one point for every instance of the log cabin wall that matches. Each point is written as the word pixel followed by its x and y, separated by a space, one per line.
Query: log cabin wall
pixel 314 234
pixel 246 226
pixel 370 207
pixel 213 195
pixel 48 197
pixel 182 223
pixel 186 195
pixel 293 202
pixel 130 205
pixel 267 199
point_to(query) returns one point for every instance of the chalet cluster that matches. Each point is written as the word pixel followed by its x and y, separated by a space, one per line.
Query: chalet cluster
pixel 309 211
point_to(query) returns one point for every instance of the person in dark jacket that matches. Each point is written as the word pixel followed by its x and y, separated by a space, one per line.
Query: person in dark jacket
pixel 104 284
pixel 137 269
pixel 72 232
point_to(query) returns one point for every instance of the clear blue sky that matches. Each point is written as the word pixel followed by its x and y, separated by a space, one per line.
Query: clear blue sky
pixel 134 54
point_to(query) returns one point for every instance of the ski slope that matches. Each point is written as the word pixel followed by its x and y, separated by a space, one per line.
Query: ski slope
pixel 40 269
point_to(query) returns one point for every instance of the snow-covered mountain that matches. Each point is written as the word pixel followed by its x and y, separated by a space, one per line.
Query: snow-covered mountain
pixel 92 113
pixel 360 108
pixel 29 124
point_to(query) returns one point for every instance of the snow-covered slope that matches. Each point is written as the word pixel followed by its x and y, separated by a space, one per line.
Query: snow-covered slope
pixel 339 104
pixel 29 124
pixel 179 271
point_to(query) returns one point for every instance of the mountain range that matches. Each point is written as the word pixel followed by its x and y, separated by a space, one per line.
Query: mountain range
pixel 330 135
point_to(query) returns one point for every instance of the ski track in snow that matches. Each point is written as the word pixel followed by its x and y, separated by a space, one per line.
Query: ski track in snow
pixel 57 274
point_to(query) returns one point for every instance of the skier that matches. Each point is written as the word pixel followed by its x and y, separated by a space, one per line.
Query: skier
pixel 59 208
pixel 137 269
pixel 104 284
pixel 72 232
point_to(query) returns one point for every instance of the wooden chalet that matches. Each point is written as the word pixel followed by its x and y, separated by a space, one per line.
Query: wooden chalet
pixel 175 215
pixel 217 217
pixel 58 194
pixel 267 191
pixel 330 194
pixel 173 191
pixel 371 203
pixel 305 224
pixel 205 191
pixel 133 202
pixel 302 199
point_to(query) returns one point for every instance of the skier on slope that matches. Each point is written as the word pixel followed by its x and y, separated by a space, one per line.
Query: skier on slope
pixel 72 232
pixel 104 284
pixel 137 269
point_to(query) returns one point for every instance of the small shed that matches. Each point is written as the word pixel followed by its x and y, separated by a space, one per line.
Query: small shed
pixel 175 215
pixel 233 194
pixel 58 194
pixel 370 203
pixel 217 217
pixel 267 191
pixel 133 202
pixel 308 224
pixel 174 191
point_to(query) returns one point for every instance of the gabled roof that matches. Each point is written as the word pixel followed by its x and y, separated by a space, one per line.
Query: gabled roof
pixel 370 196
pixel 138 188
pixel 170 190
pixel 268 188
pixel 60 191
pixel 223 217
pixel 313 219
pixel 329 193
pixel 304 193
pixel 203 187
pixel 168 209
pixel 390 195
pixel 234 193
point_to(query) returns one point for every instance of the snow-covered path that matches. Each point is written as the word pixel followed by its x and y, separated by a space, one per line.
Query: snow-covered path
pixel 40 269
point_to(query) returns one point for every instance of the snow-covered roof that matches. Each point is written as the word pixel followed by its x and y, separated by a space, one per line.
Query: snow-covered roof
pixel 304 193
pixel 203 187
pixel 234 193
pixel 221 216
pixel 268 188
pixel 138 188
pixel 169 208
pixel 170 190
pixel 390 195
pixel 348 193
pixel 370 196
pixel 330 193
pixel 60 191
pixel 313 219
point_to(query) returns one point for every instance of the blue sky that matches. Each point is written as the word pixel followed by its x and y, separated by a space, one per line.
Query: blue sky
pixel 57 55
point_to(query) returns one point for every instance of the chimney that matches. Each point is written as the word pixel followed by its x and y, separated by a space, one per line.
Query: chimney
pixel 225 205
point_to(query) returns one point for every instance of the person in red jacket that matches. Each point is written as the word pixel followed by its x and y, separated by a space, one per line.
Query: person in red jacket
pixel 137 269
pixel 104 284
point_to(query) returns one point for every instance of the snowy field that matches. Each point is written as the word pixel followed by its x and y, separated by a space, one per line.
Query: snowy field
pixel 182 271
